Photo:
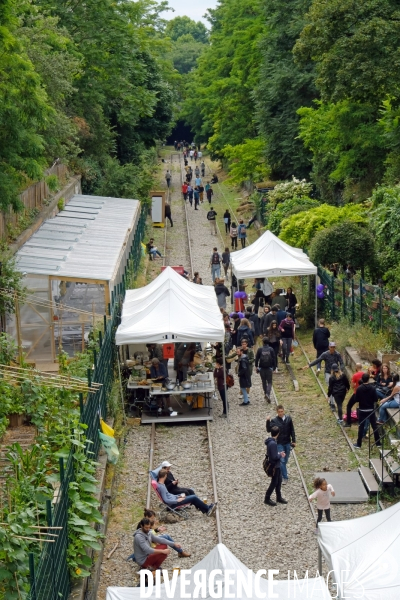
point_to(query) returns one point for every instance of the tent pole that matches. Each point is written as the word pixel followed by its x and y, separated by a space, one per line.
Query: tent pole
pixel 121 390
pixel 224 368
pixel 319 560
pixel 316 303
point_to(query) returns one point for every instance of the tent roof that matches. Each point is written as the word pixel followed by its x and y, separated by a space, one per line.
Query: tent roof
pixel 368 549
pixel 222 558
pixel 269 256
pixel 86 240
pixel 170 309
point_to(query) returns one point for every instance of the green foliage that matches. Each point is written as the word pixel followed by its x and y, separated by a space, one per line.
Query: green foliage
pixel 284 86
pixel 185 52
pixel 10 280
pixel 219 106
pixel 182 26
pixel 348 148
pixel 361 337
pixel 384 223
pixel 287 208
pixel 52 183
pixel 290 190
pixel 344 243
pixel 246 161
pixel 356 48
pixel 61 204
pixel 300 229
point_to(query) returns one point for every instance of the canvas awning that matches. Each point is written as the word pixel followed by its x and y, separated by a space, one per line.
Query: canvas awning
pixel 270 257
pixel 222 558
pixel 170 309
pixel 367 551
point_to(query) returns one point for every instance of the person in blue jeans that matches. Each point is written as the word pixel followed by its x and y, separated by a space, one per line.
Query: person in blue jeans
pixel 174 501
pixel 286 439
pixel 392 401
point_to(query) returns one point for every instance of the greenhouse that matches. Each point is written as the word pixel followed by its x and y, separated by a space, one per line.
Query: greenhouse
pixel 71 266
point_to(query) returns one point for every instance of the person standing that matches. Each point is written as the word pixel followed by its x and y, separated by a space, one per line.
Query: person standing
pixel 286 439
pixel 191 154
pixel 197 171
pixel 220 384
pixel 215 264
pixel 242 233
pixel 330 357
pixel 337 388
pixel 245 331
pixel 244 375
pixel 321 337
pixel 203 168
pixel 226 261
pixel 221 292
pixel 211 218
pixel 196 195
pixel 291 301
pixel 323 491
pixel 367 398
pixel 190 194
pixel 274 457
pixel 227 221
pixel 265 366
pixel 168 213
pixel 274 339
pixel 233 232
pixel 287 329
pixel 201 192
pixel 184 190
pixel 209 193
pixel 267 318
pixel 168 177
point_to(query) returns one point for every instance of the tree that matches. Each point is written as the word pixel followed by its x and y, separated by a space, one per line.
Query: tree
pixel 247 162
pixel 185 52
pixel 218 102
pixel 180 26
pixel 300 229
pixel 355 47
pixel 344 243
pixel 385 226
pixel 284 86
pixel 276 214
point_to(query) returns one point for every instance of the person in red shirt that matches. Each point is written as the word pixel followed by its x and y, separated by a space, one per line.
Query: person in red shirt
pixel 355 382
pixel 184 190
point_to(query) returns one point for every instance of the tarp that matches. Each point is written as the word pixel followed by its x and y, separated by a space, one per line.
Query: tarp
pixel 170 309
pixel 221 558
pixel 367 551
pixel 269 256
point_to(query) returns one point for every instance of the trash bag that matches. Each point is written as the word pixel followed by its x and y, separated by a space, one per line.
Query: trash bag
pixel 106 428
pixel 110 446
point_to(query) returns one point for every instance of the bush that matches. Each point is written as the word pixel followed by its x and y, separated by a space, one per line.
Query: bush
pixel 289 190
pixel 361 337
pixel 52 183
pixel 287 208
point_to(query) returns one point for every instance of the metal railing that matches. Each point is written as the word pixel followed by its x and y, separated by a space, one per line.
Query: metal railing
pixel 49 572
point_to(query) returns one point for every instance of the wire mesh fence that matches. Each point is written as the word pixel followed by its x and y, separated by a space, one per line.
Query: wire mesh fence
pixel 49 572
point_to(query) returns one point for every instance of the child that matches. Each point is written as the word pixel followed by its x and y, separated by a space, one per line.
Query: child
pixel 322 494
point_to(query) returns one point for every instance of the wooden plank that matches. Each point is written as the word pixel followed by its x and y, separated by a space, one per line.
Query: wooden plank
pixel 376 464
pixel 369 480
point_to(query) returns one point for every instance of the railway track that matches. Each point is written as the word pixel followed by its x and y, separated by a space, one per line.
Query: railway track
pixel 180 219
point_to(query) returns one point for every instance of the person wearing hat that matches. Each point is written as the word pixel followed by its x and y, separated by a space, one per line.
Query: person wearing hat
pixel 172 484
pixel 338 386
pixel 330 357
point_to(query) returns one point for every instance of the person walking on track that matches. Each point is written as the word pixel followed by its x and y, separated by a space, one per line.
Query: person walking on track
pixel 227 221
pixel 209 192
pixel 265 366
pixel 286 439
pixel 321 337
pixel 234 236
pixel 203 168
pixel 242 233
pixel 184 190
pixel 168 213
pixel 168 177
pixel 211 218
pixel 338 387
pixel 274 457
pixel 215 264
pixel 287 329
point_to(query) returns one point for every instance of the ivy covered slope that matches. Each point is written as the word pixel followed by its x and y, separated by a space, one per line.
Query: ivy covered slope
pixel 87 82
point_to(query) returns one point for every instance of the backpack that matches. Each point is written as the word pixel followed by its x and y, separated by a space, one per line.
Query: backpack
pixel 265 358
pixel 211 215
pixel 215 259
pixel 268 468
pixel 230 382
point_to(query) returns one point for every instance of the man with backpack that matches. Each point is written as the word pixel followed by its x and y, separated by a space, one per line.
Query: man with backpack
pixel 215 264
pixel 265 365
pixel 275 461
pixel 244 376
pixel 213 224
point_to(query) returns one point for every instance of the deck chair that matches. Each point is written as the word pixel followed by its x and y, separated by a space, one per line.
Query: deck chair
pixel 178 511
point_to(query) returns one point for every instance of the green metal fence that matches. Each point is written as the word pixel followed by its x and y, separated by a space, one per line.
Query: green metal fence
pixel 358 300
pixel 49 574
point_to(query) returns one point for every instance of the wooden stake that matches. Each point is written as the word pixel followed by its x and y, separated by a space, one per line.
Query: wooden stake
pixel 112 551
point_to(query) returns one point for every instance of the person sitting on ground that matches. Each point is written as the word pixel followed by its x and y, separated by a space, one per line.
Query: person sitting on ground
pixel 146 556
pixel 159 531
pixel 152 249
pixel 171 483
pixel 175 501
pixel 214 178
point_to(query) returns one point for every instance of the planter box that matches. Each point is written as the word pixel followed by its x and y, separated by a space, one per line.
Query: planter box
pixel 15 419
pixel 394 368
pixel 387 358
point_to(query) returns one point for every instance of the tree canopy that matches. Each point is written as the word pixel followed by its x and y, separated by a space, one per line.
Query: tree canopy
pixel 180 26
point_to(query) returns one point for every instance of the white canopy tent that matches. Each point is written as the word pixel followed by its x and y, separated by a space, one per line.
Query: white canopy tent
pixel 367 551
pixel 170 309
pixel 269 256
pixel 221 558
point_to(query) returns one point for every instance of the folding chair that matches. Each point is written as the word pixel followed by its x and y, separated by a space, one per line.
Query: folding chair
pixel 178 511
